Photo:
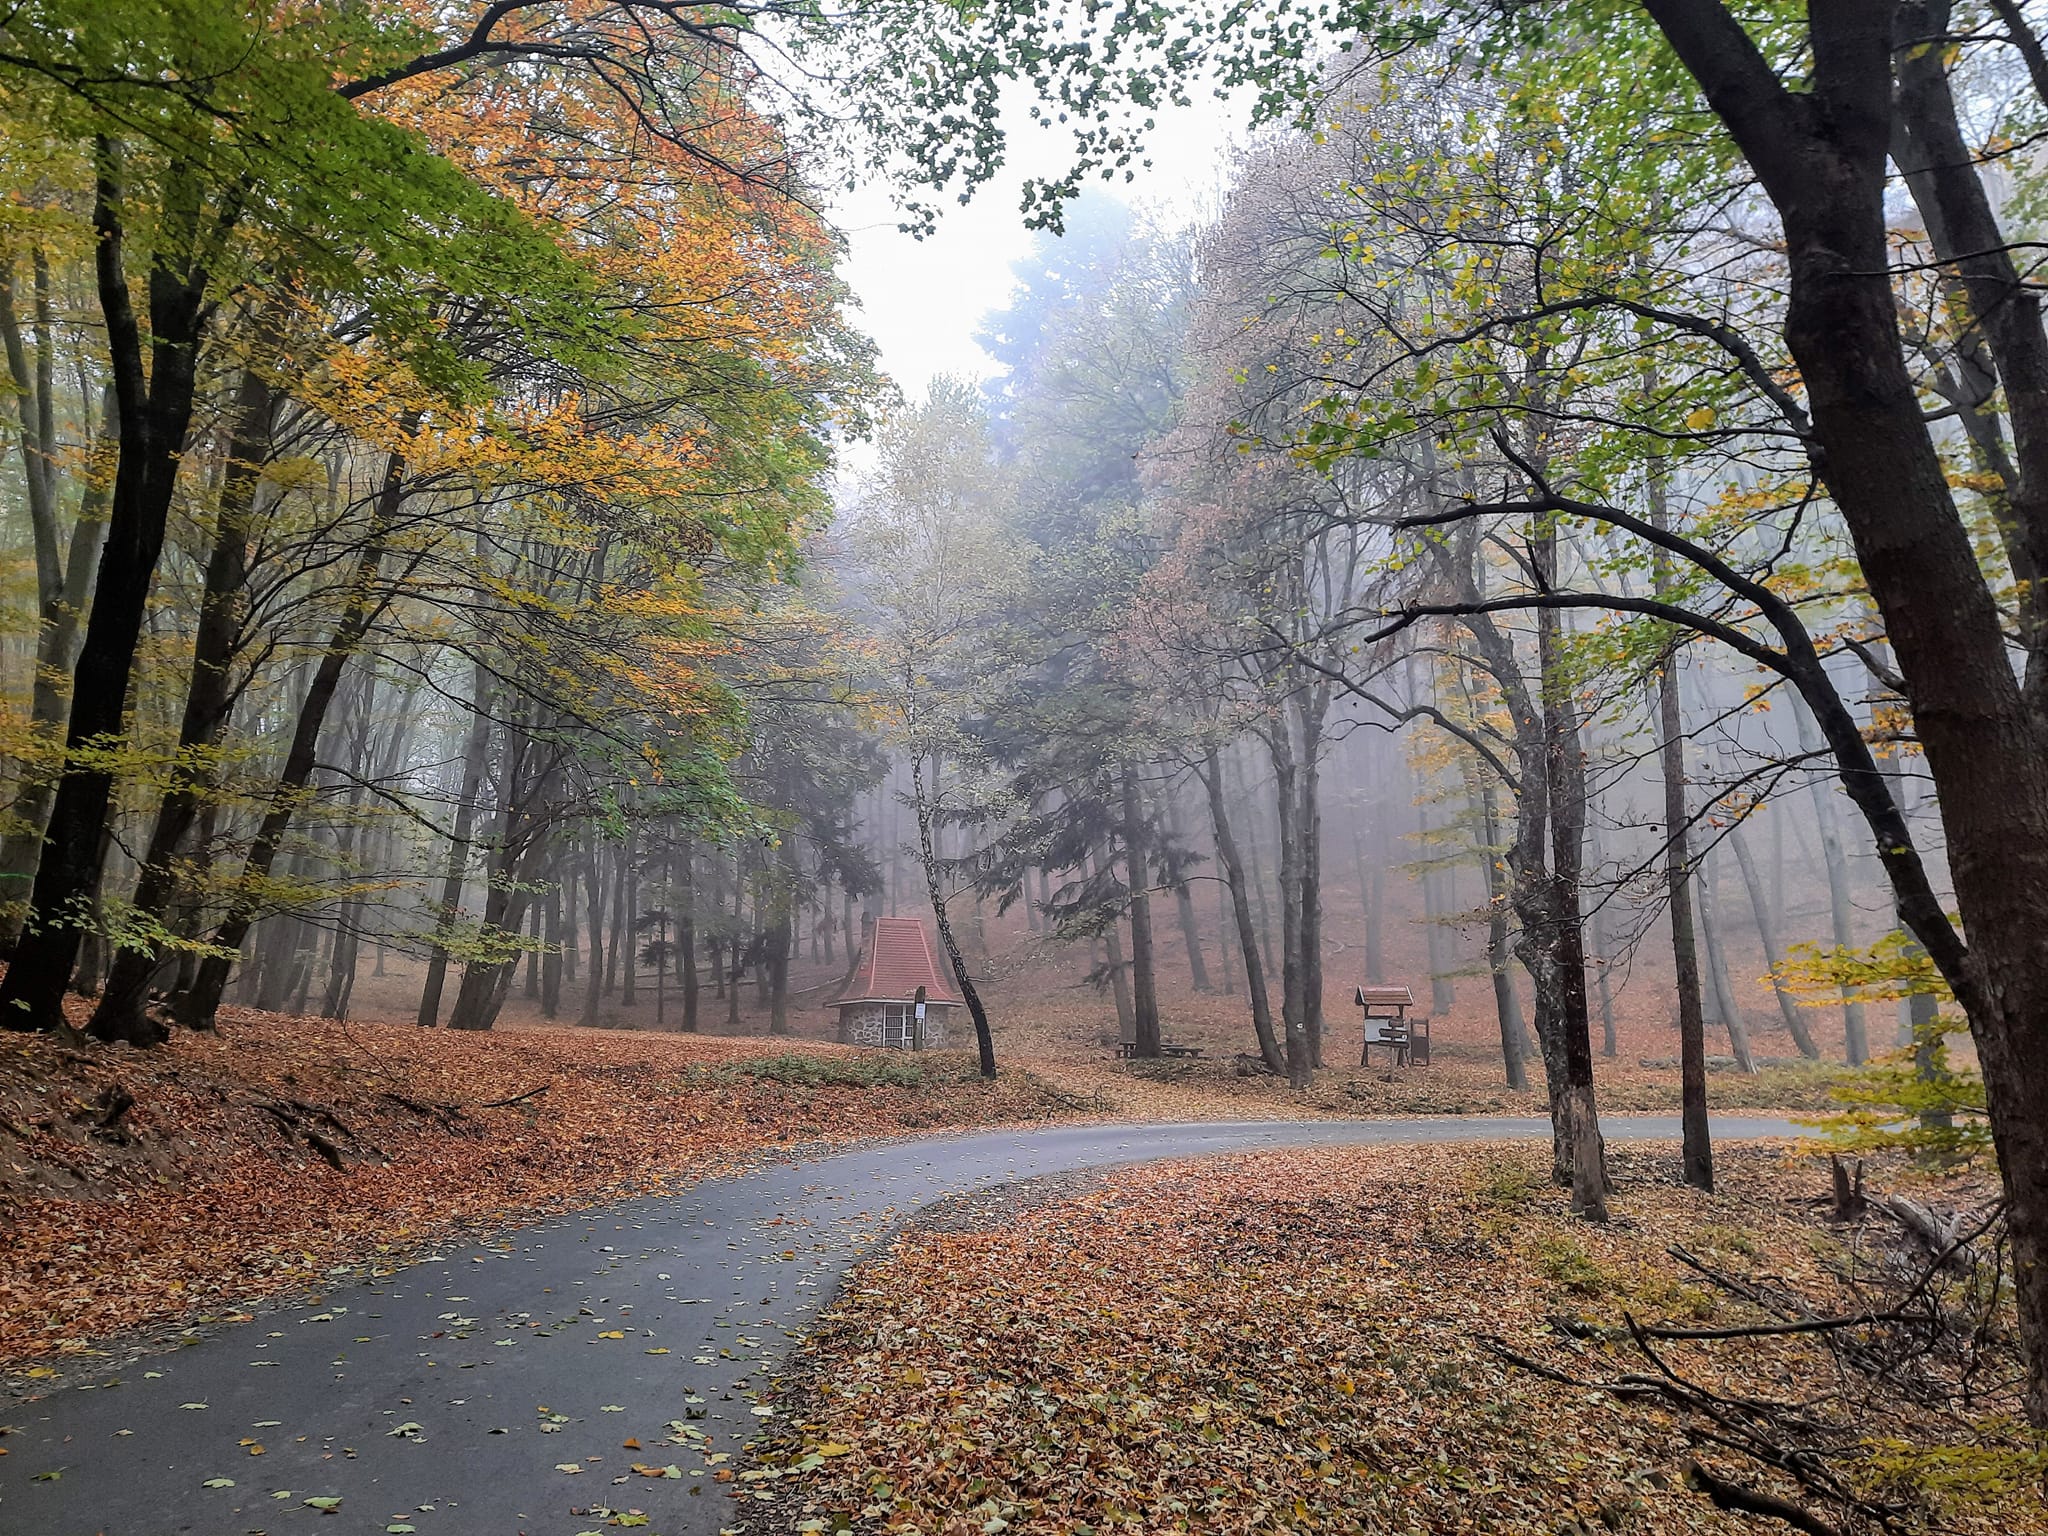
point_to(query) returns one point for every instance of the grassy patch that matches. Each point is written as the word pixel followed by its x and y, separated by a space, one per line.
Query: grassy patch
pixel 1565 1263
pixel 793 1069
pixel 1510 1185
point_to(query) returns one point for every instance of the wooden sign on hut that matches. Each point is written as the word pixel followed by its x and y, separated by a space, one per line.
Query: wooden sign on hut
pixel 896 998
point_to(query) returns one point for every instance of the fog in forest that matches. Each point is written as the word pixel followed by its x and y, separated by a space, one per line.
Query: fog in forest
pixel 1179 686
pixel 1387 561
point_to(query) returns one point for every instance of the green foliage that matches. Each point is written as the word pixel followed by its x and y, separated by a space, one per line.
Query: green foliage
pixel 1991 1475
pixel 1894 967
pixel 1914 1100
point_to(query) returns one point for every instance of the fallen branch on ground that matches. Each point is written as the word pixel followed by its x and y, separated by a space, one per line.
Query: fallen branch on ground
pixel 1754 1501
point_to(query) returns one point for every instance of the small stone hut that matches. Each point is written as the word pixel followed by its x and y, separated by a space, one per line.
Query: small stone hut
pixel 879 1005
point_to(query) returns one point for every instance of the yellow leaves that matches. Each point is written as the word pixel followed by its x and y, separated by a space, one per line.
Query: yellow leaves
pixel 1701 419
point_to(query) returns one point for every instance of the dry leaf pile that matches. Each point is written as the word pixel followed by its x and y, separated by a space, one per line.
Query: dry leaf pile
pixel 137 1187
pixel 1299 1341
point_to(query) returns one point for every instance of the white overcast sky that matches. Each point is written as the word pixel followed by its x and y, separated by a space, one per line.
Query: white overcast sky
pixel 923 300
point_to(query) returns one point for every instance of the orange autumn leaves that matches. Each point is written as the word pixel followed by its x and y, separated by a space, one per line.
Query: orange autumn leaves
pixel 199 1201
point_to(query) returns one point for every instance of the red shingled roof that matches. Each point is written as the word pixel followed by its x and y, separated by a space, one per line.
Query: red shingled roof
pixel 898 961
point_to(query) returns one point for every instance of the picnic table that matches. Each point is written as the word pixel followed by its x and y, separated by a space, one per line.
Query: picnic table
pixel 1388 1026
pixel 1128 1049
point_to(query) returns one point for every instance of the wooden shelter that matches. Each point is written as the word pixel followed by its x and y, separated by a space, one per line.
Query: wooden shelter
pixel 1388 1026
pixel 878 1006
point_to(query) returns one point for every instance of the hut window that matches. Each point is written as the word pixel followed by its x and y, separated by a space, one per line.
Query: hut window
pixel 899 1025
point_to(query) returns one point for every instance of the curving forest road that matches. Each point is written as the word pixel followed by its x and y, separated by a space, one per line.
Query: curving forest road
pixel 448 1398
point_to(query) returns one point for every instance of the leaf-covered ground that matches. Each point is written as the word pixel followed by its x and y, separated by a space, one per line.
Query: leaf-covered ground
pixel 1298 1341
pixel 142 1187
pixel 146 1188
pixel 1461 1080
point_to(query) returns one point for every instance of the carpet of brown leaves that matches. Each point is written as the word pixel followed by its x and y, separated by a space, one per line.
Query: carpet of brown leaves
pixel 1460 1081
pixel 142 1187
pixel 1293 1341
pixel 137 1187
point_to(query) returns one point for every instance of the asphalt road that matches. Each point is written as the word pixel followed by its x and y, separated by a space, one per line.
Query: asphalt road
pixel 454 1397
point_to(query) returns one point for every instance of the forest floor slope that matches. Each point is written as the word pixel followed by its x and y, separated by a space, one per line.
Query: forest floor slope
pixel 140 1187
pixel 1317 1339
pixel 190 1182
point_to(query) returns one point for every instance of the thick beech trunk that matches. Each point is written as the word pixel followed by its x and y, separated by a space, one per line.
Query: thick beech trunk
pixel 209 699
pixel 154 411
pixel 1821 155
pixel 64 576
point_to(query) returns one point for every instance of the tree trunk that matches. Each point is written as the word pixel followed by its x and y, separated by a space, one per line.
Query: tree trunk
pixel 209 699
pixel 1312 702
pixel 1443 992
pixel 64 578
pixel 519 848
pixel 593 895
pixel 1698 1155
pixel 1118 965
pixel 686 939
pixel 1841 900
pixel 735 962
pixel 1241 910
pixel 984 1039
pixel 1184 900
pixel 629 882
pixel 456 876
pixel 154 409
pixel 536 917
pixel 1293 976
pixel 1788 1009
pixel 571 936
pixel 1144 982
pixel 195 1007
pixel 1717 968
pixel 1821 155
pixel 1507 1004
pixel 782 935
pixel 551 954
pixel 1566 771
